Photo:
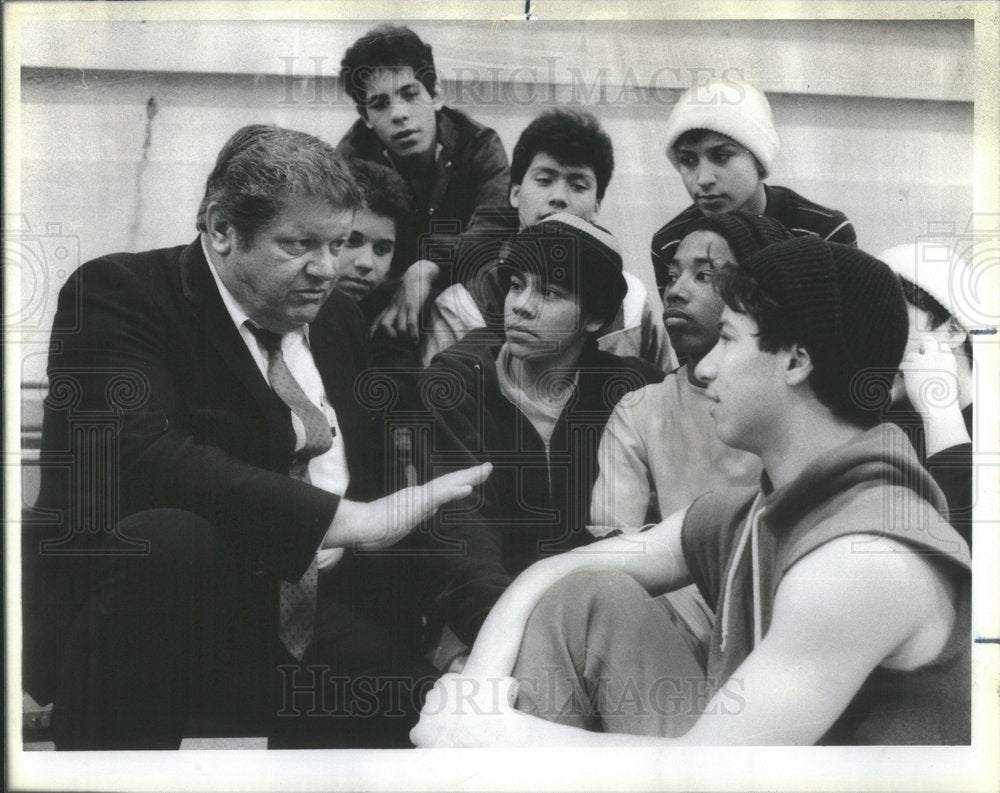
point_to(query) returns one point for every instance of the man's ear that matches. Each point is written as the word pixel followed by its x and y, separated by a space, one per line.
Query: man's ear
pixel 515 192
pixel 437 96
pixel 592 324
pixel 221 233
pixel 799 365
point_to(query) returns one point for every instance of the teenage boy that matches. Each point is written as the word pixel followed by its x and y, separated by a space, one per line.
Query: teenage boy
pixel 721 139
pixel 366 258
pixel 933 397
pixel 562 162
pixel 534 401
pixel 452 164
pixel 364 263
pixel 661 440
pixel 841 594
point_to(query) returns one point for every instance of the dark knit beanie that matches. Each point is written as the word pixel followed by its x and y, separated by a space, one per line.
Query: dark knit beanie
pixel 574 253
pixel 746 233
pixel 846 308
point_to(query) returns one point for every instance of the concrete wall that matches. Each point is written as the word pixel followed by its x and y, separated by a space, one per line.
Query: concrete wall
pixel 120 122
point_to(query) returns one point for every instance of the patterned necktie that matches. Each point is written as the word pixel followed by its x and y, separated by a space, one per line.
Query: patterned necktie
pixel 297 602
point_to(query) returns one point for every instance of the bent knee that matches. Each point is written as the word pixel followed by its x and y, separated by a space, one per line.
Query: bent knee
pixel 173 535
pixel 588 592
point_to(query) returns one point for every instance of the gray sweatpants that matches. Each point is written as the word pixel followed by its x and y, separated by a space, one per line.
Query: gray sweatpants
pixel 602 654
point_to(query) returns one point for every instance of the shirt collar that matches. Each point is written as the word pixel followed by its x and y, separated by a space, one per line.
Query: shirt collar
pixel 236 312
pixel 512 390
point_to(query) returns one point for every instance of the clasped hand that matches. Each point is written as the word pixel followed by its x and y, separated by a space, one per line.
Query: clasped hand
pixel 401 318
pixel 930 374
pixel 472 712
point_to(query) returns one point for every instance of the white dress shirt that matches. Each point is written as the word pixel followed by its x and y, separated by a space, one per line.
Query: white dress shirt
pixel 328 470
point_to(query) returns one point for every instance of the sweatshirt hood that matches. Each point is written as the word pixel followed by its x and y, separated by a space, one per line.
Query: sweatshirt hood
pixel 824 492
pixel 882 456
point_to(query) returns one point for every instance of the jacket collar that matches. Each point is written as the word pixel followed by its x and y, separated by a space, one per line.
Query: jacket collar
pixel 774 203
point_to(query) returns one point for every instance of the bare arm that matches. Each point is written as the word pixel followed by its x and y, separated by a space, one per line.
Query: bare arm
pixel 849 606
pixel 654 558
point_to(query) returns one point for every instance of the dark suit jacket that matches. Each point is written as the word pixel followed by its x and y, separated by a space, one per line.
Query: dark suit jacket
pixel 155 401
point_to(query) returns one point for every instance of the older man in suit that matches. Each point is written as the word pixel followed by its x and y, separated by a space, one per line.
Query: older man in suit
pixel 206 464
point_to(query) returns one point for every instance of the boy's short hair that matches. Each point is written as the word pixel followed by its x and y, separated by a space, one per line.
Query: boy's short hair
pixel 843 306
pixel 387 46
pixel 261 167
pixel 571 137
pixel 573 253
pixel 383 191
pixel 939 315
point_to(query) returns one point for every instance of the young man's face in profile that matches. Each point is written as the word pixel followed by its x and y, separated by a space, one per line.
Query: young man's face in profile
pixel 549 187
pixel 365 258
pixel 401 112
pixel 720 175
pixel 691 306
pixel 745 382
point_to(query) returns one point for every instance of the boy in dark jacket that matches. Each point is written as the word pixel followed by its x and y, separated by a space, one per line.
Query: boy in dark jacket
pixel 534 402
pixel 452 164
pixel 721 139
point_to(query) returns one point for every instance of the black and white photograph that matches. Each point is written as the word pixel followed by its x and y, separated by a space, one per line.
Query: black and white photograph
pixel 501 396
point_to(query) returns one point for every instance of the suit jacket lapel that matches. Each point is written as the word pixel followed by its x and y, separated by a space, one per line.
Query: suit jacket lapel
pixel 200 289
pixel 338 373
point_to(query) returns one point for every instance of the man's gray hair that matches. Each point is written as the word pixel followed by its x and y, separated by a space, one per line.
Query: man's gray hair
pixel 261 168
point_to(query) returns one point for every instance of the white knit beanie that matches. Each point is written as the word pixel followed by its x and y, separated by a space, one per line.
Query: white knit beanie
pixel 938 270
pixel 732 108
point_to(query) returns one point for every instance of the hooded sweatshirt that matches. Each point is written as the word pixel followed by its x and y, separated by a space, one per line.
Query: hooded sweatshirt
pixel 739 544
